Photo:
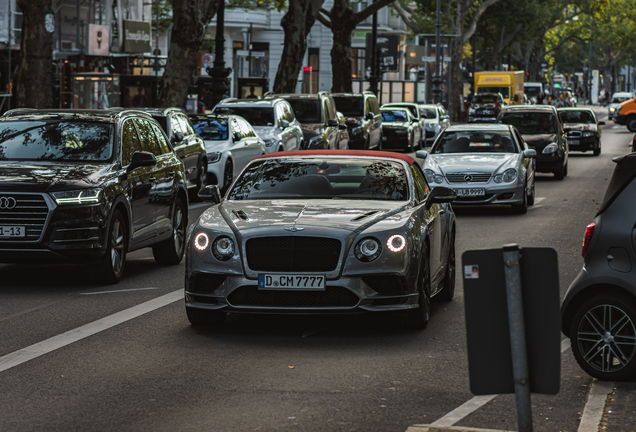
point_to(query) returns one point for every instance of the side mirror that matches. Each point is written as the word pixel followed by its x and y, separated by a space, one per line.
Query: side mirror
pixel 332 122
pixel 516 98
pixel 236 137
pixel 440 194
pixel 284 124
pixel 369 116
pixel 530 153
pixel 178 137
pixel 421 154
pixel 601 123
pixel 141 159
pixel 210 193
pixel 342 127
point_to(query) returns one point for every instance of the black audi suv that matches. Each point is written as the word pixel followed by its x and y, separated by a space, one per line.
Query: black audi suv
pixel 89 186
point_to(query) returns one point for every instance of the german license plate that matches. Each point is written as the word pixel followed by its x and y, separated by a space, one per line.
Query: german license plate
pixel 471 192
pixel 12 231
pixel 291 281
pixel 574 142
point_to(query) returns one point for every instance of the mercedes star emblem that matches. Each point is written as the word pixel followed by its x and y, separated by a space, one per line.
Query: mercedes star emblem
pixel 468 178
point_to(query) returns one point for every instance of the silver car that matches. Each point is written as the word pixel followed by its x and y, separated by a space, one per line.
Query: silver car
pixel 435 120
pixel 485 164
pixel 599 309
pixel 323 232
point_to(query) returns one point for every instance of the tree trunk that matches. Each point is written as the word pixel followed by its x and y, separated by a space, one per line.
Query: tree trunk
pixel 343 22
pixel 35 75
pixel 297 24
pixel 190 18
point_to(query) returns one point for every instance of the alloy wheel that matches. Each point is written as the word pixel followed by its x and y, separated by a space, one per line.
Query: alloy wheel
pixel 179 231
pixel 117 246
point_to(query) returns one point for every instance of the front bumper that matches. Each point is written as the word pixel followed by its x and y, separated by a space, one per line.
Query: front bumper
pixel 584 144
pixel 494 194
pixel 548 163
pixel 620 119
pixel 477 119
pixel 345 295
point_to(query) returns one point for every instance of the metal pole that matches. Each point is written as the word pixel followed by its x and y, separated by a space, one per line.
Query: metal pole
pixel 437 79
pixel 249 56
pixel 590 74
pixel 219 72
pixel 512 274
pixel 373 79
pixel 157 40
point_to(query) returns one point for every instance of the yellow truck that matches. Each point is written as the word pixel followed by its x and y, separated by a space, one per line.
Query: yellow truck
pixel 509 84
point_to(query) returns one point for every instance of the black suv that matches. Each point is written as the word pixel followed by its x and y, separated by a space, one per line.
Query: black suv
pixel 317 116
pixel 541 128
pixel 89 186
pixel 186 143
pixel 362 117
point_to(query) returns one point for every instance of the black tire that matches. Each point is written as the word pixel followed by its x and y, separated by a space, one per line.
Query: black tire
pixel 366 144
pixel 532 193
pixel 203 317
pixel 111 267
pixel 448 288
pixel 202 181
pixel 594 336
pixel 597 149
pixel 565 169
pixel 523 207
pixel 170 251
pixel 228 176
pixel 418 318
pixel 631 123
pixel 559 174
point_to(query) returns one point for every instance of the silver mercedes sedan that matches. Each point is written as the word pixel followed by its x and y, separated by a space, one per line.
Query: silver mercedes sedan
pixel 323 232
pixel 485 164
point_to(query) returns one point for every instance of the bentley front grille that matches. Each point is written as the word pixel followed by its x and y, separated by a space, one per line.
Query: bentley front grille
pixel 293 254
pixel 468 177
pixel 24 210
pixel 330 297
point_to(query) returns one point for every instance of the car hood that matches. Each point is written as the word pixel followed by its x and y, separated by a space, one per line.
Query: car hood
pixel 353 121
pixel 579 127
pixel 396 124
pixel 49 176
pixel 267 132
pixel 475 162
pixel 216 145
pixel 311 129
pixel 347 215
pixel 483 106
pixel 539 141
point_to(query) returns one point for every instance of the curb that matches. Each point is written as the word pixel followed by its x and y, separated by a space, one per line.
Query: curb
pixel 431 428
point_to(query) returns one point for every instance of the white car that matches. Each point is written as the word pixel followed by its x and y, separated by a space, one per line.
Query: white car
pixel 617 98
pixel 272 119
pixel 230 143
pixel 435 120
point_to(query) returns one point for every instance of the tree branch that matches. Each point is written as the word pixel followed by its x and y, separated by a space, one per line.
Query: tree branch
pixel 473 23
pixel 371 9
pixel 510 37
pixel 406 17
pixel 324 21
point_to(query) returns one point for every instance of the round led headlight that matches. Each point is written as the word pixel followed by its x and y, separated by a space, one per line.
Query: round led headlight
pixel 368 249
pixel 201 241
pixel 223 248
pixel 509 175
pixel 396 243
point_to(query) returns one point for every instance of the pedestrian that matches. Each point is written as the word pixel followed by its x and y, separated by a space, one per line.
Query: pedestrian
pixel 200 106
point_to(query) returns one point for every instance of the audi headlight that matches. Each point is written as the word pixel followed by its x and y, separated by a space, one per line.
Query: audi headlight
pixel 509 175
pixel 396 243
pixel 201 241
pixel 432 176
pixel 270 142
pixel 214 157
pixel 223 248
pixel 588 134
pixel 367 250
pixel 550 148
pixel 84 196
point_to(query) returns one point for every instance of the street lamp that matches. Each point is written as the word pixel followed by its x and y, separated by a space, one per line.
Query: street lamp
pixel 437 78
pixel 219 72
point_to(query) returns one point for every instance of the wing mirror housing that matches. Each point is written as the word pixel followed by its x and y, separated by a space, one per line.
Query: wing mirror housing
pixel 369 116
pixel 284 124
pixel 342 127
pixel 210 193
pixel 421 154
pixel 530 153
pixel 178 137
pixel 440 195
pixel 141 159
pixel 601 123
pixel 332 122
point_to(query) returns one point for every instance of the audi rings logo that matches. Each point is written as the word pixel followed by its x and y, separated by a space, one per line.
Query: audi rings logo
pixel 7 203
pixel 468 178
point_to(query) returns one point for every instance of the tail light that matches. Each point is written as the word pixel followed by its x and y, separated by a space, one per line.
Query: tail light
pixel 589 232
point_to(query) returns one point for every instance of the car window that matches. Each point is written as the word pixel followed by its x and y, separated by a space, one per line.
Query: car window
pixel 520 140
pixel 412 109
pixel 474 142
pixel 421 188
pixel 129 142
pixel 211 129
pixel 161 139
pixel 257 116
pixel 236 130
pixel 307 110
pixel 185 126
pixel 428 113
pixel 394 115
pixel 580 116
pixel 531 122
pixel 375 107
pixel 289 112
pixel 351 106
pixel 246 129
pixel 280 115
pixel 175 126
pixel 147 137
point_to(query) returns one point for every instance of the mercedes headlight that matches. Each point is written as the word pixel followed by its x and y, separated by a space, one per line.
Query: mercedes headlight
pixel 223 248
pixel 432 176
pixel 550 148
pixel 509 175
pixel 315 142
pixel 84 196
pixel 588 134
pixel 214 157
pixel 368 250
pixel 356 130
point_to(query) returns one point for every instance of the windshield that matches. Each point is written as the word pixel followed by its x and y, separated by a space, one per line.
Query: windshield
pixel 394 115
pixel 306 110
pixel 532 91
pixel 484 99
pixel 350 106
pixel 412 109
pixel 503 90
pixel 531 122
pixel 428 113
pixel 577 117
pixel 55 140
pixel 261 116
pixel 475 142
pixel 322 179
pixel 619 99
pixel 210 129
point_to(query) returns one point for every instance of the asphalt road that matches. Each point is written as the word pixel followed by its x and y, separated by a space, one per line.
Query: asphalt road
pixel 103 362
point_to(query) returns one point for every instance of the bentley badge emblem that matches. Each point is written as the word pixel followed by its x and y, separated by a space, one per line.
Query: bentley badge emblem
pixel 294 228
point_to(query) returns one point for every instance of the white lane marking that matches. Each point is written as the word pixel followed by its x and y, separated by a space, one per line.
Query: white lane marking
pixel 33 309
pixel 119 291
pixel 477 402
pixel 595 406
pixel 56 342
pixel 534 207
pixel 537 200
pixel 199 205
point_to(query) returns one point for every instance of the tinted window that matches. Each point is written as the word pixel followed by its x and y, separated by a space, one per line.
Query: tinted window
pixel 237 134
pixel 411 108
pixel 289 112
pixel 374 105
pixel 322 179
pixel 185 125
pixel 147 137
pixel 503 90
pixel 485 99
pixel 129 142
pixel 175 126
pixel 428 113
pixel 161 139
pixel 475 142
pixel 246 130
pixel 261 116
pixel 352 106
pixel 532 91
pixel 394 115
pixel 211 129
pixel 55 140
pixel 619 99
pixel 306 110
pixel 421 188
pixel 577 117
pixel 531 122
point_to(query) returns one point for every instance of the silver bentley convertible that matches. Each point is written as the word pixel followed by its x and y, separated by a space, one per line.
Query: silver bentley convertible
pixel 322 232
pixel 485 164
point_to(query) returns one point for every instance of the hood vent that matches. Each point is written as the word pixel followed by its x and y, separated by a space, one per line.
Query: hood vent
pixel 366 215
pixel 240 214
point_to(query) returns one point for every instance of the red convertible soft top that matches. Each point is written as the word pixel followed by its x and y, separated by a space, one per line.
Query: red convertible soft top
pixel 369 153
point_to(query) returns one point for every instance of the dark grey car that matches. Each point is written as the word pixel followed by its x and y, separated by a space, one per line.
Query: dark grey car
pixel 599 310
pixel 362 117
